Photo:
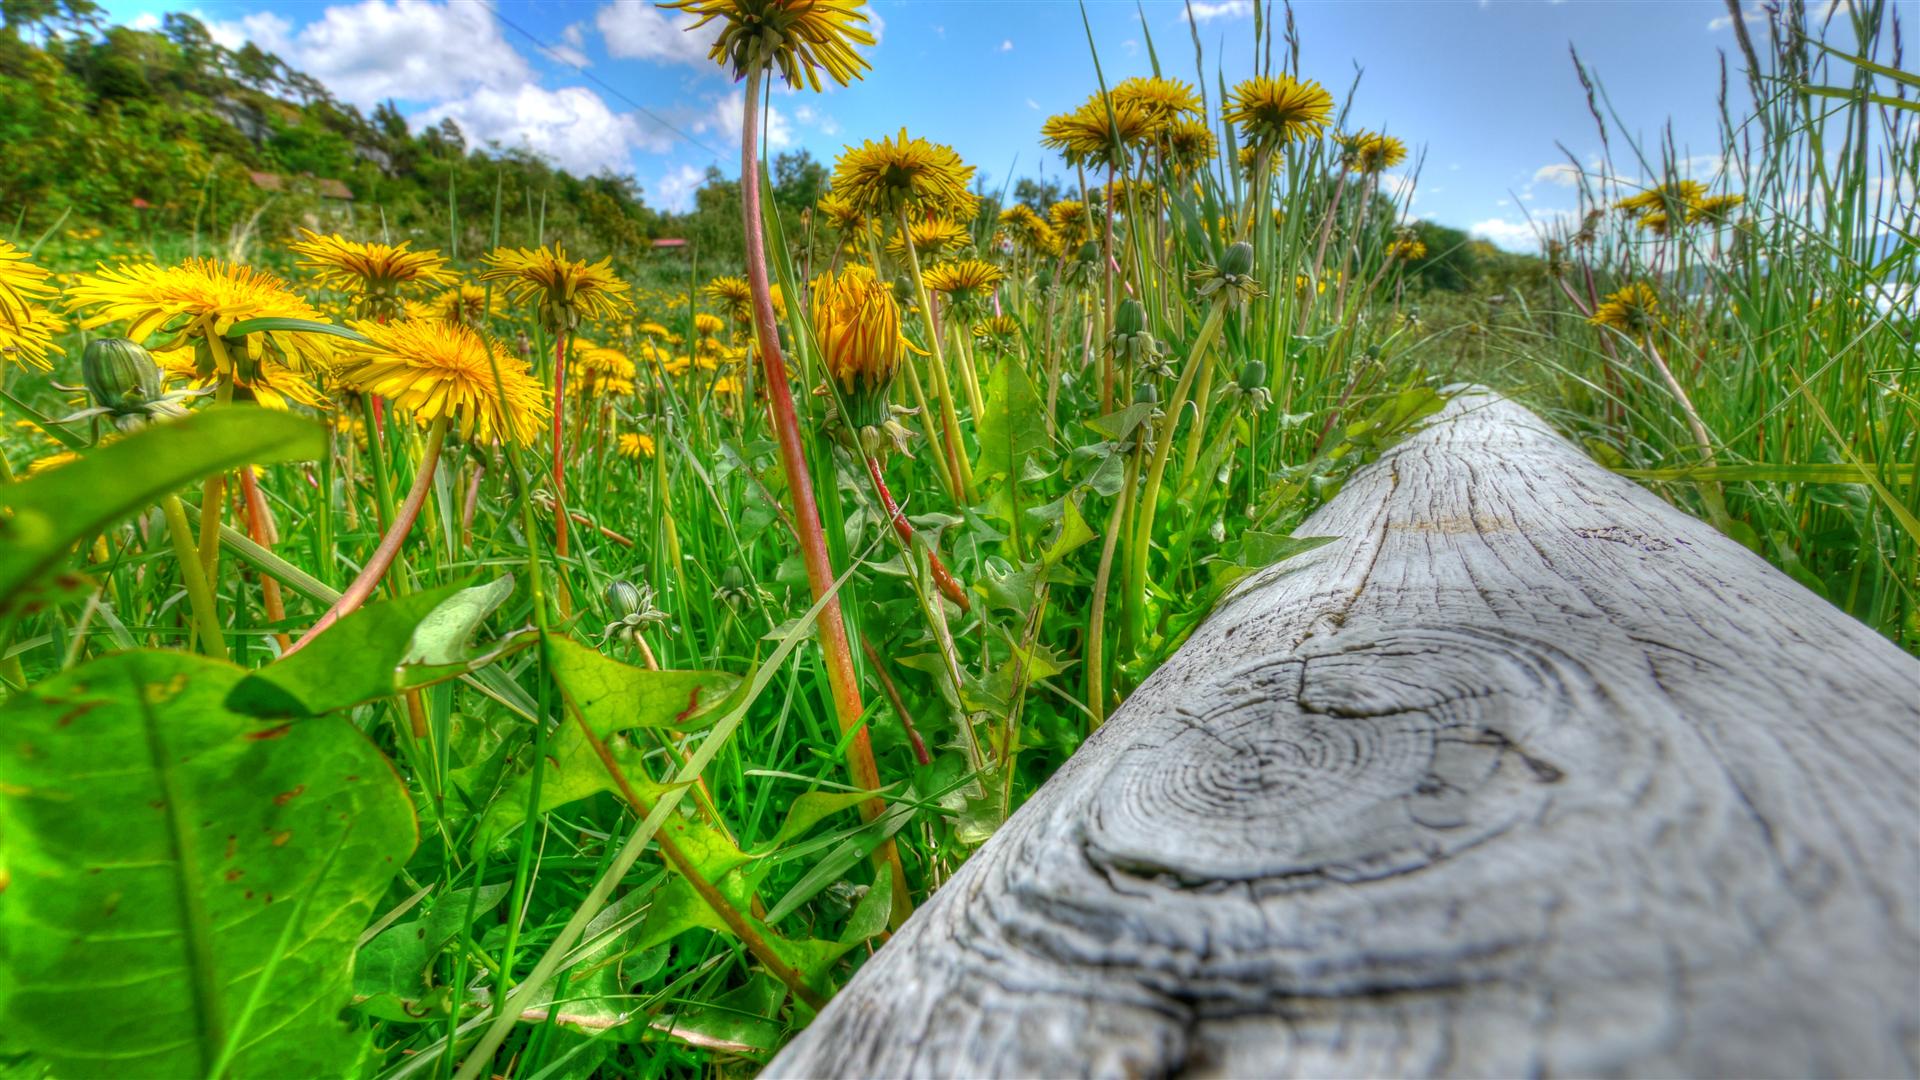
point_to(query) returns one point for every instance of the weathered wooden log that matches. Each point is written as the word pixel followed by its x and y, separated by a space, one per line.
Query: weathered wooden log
pixel 1529 773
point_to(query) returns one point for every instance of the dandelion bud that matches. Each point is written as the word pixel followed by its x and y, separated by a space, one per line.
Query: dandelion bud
pixel 858 324
pixel 1253 376
pixel 1238 261
pixel 1146 393
pixel 903 291
pixel 1089 252
pixel 1129 318
pixel 119 374
pixel 623 598
pixel 1043 279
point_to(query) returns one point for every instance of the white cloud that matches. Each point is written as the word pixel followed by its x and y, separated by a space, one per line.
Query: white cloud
pixel 573 127
pixel 1132 47
pixel 1006 45
pixel 572 48
pixel 725 117
pixel 674 191
pixel 413 50
pixel 265 29
pixel 808 116
pixel 1560 174
pixel 1752 14
pixel 1206 10
pixel 636 30
pixel 1511 235
pixel 1393 185
pixel 1032 104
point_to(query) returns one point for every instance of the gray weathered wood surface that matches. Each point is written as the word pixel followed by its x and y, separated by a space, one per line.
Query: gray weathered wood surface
pixel 1530 773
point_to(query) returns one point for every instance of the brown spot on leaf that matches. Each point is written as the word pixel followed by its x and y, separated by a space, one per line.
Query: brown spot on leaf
pixel 693 702
pixel 268 733
pixel 286 797
pixel 235 874
pixel 280 838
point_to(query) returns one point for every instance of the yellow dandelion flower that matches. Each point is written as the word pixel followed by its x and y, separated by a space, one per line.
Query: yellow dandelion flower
pixel 1631 310
pixel 733 295
pixel 881 178
pixel 272 386
pixel 707 325
pixel 22 286
pixel 1070 218
pixel 635 445
pixel 653 329
pixel 1001 333
pixel 1164 99
pixel 370 273
pixel 930 236
pixel 800 37
pixel 726 384
pixel 606 370
pixel 434 370
pixel 51 461
pixel 1190 143
pixel 199 302
pixel 841 214
pixel 1027 227
pixel 1088 135
pixel 1277 110
pixel 1657 222
pixel 1713 209
pixel 1410 249
pixel 466 305
pixel 964 277
pixel 1675 193
pixel 1371 152
pixel 566 291
pixel 857 323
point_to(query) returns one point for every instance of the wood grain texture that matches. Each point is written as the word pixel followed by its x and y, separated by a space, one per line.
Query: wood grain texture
pixel 1528 774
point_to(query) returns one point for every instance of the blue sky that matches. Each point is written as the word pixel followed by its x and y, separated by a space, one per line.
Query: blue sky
pixel 1482 89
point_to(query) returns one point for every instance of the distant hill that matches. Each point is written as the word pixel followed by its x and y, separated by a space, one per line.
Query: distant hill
pixel 170 131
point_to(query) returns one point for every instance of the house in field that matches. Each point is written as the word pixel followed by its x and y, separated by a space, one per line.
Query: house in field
pixel 669 245
pixel 333 197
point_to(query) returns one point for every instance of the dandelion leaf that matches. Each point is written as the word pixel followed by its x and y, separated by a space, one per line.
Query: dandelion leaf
pixel 188 884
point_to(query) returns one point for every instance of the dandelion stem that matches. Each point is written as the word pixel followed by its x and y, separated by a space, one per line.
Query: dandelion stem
pixel 213 641
pixel 832 630
pixel 560 444
pixel 949 588
pixel 1142 548
pixel 368 580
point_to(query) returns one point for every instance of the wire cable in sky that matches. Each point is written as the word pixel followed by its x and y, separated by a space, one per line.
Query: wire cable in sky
pixel 553 53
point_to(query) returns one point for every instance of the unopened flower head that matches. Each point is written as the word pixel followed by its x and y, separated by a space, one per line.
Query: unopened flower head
pixel 858 326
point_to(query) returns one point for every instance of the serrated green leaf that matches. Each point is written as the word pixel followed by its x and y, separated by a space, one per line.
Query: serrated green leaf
pixel 188 884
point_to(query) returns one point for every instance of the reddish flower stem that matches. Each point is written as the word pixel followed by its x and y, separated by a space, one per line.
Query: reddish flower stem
pixel 559 445
pixel 949 588
pixel 830 626
pixel 368 580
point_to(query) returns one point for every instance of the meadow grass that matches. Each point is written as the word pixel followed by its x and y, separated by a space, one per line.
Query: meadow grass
pixel 1134 416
